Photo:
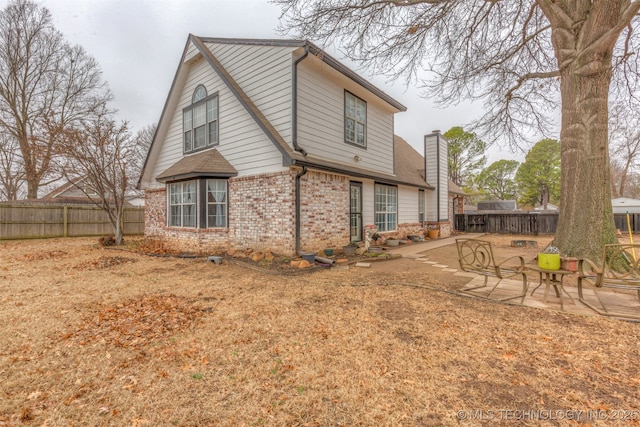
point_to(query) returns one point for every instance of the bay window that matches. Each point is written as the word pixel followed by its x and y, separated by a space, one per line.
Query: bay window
pixel 198 203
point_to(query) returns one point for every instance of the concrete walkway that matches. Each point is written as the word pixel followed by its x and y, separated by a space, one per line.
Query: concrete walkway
pixel 568 303
pixel 409 251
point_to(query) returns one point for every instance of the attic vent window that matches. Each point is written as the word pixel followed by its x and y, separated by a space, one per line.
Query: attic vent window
pixel 200 121
pixel 355 120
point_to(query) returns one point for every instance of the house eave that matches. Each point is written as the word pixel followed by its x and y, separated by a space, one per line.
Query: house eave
pixel 360 173
pixel 193 175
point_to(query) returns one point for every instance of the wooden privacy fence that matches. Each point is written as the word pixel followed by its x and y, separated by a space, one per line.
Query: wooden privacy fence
pixel 45 221
pixel 527 222
pixel 508 223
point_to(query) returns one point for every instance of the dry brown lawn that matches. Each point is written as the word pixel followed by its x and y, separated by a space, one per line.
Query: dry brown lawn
pixel 92 336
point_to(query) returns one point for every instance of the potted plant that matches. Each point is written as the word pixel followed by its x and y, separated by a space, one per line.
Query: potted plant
pixel 350 249
pixel 392 242
pixel 433 232
pixel 549 258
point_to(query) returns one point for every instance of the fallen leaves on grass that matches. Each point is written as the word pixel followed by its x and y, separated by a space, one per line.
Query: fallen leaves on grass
pixel 139 321
pixel 39 256
pixel 104 262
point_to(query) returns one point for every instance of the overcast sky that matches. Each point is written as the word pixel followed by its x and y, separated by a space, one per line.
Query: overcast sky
pixel 138 44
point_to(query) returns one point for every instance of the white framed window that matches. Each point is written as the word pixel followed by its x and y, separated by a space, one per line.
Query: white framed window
pixel 198 203
pixel 216 203
pixel 386 207
pixel 200 121
pixel 182 204
pixel 355 120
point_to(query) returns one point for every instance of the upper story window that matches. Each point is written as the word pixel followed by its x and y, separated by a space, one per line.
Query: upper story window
pixel 355 120
pixel 200 121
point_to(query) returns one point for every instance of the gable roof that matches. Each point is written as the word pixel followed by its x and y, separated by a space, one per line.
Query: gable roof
pixel 290 156
pixel 209 163
pixel 318 53
pixel 69 185
pixel 244 99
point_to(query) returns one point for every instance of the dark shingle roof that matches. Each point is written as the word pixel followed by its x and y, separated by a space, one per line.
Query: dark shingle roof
pixel 206 163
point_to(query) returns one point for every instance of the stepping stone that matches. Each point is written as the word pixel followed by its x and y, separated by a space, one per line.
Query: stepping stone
pixel 440 265
pixel 449 270
pixel 363 264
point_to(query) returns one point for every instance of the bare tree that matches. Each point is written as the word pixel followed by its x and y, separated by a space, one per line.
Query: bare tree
pixel 46 86
pixel 102 152
pixel 521 58
pixel 143 140
pixel 11 168
pixel 624 146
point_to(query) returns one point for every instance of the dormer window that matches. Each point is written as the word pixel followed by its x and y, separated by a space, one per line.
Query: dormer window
pixel 200 121
pixel 355 120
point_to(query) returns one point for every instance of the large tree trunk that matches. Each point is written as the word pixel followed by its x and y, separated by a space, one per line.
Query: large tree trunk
pixel 584 35
pixel 586 217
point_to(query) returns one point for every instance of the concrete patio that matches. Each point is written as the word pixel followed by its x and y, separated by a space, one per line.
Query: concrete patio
pixel 620 302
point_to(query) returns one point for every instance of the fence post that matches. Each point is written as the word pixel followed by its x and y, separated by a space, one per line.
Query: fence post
pixel 65 222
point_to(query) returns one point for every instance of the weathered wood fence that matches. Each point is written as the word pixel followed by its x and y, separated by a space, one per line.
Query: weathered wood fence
pixel 527 222
pixel 44 221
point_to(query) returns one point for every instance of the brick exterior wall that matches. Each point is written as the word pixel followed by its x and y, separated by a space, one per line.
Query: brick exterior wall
pixel 324 211
pixel 262 215
pixel 262 212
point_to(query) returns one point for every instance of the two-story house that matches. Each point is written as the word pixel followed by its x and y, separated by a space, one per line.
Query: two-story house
pixel 274 143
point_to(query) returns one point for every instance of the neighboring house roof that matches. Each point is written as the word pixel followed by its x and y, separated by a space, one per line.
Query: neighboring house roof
pixel 624 201
pixel 290 156
pixel 207 163
pixel 67 186
pixel 550 207
pixel 625 204
pixel 69 194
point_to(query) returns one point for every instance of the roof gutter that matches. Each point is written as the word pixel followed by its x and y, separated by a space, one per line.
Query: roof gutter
pixel 294 101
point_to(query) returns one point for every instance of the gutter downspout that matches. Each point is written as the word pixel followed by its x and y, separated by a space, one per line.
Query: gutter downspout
pixel 294 141
pixel 299 175
pixel 294 102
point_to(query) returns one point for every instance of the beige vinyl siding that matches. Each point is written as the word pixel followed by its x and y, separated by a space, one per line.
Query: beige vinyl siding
pixel 241 141
pixel 407 205
pixel 192 52
pixel 264 74
pixel 368 215
pixel 321 119
pixel 431 197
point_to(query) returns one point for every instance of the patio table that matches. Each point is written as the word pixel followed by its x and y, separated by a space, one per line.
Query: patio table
pixel 551 278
